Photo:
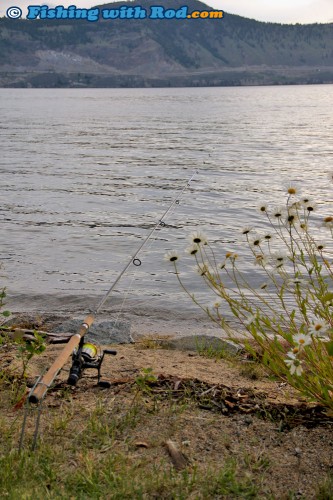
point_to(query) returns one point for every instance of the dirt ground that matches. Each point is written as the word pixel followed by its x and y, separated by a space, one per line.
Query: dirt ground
pixel 227 409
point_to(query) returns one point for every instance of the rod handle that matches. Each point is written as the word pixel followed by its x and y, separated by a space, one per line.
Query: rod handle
pixel 41 388
pixel 38 393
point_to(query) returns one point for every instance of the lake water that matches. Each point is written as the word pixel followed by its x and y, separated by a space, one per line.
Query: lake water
pixel 86 174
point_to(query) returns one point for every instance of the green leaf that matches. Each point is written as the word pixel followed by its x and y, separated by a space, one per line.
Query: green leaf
pixel 329 347
pixel 328 297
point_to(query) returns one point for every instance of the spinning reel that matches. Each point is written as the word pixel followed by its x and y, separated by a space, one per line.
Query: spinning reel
pixel 86 356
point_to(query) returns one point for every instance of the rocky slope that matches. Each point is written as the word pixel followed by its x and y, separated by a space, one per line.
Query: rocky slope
pixel 167 52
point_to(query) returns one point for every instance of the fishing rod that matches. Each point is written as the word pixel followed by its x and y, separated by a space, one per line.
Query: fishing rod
pixel 82 354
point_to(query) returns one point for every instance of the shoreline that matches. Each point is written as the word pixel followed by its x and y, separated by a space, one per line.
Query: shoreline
pixel 141 319
pixel 179 334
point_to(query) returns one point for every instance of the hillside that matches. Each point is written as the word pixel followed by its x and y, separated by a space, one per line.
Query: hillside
pixel 166 52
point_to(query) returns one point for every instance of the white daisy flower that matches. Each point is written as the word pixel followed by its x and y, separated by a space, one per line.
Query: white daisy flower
pixel 302 339
pixel 198 238
pixel 246 230
pixel 318 328
pixel 292 188
pixel 192 250
pixel 294 364
pixel 320 245
pixel 268 237
pixel 278 212
pixel 202 269
pixel 305 199
pixel 171 256
pixel 309 205
pixel 291 218
pixel 279 258
pixel 298 282
pixel 262 208
pixel 255 240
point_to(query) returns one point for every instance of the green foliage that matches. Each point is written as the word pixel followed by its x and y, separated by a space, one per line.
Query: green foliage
pixel 213 351
pixel 146 378
pixel 88 448
pixel 112 476
pixel 290 315
pixel 5 313
pixel 86 453
pixel 325 490
pixel 25 350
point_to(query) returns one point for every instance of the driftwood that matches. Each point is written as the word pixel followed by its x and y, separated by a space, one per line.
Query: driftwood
pixel 27 334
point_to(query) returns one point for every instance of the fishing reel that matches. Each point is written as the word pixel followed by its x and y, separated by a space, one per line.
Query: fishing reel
pixel 86 356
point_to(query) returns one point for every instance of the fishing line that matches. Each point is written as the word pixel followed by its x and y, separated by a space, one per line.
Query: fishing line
pixel 135 260
pixel 38 393
pixel 127 292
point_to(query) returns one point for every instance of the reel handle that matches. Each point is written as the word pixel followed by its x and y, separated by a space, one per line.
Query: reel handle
pixel 104 383
pixel 110 351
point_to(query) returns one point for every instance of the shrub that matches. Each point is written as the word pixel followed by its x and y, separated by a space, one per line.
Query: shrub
pixel 289 315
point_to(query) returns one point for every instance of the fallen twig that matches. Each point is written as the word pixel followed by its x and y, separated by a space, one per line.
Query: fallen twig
pixel 178 459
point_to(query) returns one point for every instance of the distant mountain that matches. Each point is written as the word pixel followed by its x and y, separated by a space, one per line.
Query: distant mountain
pixel 167 52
